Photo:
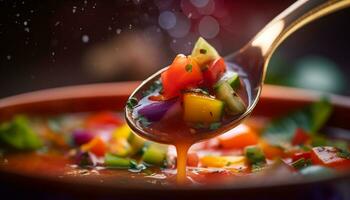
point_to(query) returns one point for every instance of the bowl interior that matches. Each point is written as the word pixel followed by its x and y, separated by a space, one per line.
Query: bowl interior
pixel 112 96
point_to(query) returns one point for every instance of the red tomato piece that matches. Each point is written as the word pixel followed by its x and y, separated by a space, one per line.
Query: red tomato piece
pixel 103 119
pixel 300 137
pixel 183 73
pixel 214 71
pixel 328 156
pixel 299 155
pixel 192 159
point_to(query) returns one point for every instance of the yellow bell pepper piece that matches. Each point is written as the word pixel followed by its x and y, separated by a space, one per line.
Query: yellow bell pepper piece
pixel 200 108
pixel 136 142
pixel 222 161
pixel 125 142
pixel 120 147
pixel 122 132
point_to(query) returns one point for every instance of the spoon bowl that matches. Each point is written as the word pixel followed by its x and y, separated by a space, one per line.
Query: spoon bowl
pixel 168 138
pixel 252 61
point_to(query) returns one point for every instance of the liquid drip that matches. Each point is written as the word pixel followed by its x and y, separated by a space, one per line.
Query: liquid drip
pixel 181 161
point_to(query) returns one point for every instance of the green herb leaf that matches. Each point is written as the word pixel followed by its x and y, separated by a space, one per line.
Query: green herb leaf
pixel 214 126
pixel 301 163
pixel 143 121
pixel 132 102
pixel 84 159
pixel 344 154
pixel 18 134
pixel 197 90
pixel 188 68
pixel 156 86
pixel 199 125
pixel 202 51
pixel 204 68
pixel 342 145
pixel 311 118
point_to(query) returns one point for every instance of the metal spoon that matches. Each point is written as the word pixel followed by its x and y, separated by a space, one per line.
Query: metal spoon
pixel 253 57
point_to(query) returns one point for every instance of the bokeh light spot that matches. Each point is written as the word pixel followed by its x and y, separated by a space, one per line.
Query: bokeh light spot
pixel 85 38
pixel 182 27
pixel 207 9
pixel 167 20
pixel 208 27
pixel 200 3
pixel 318 73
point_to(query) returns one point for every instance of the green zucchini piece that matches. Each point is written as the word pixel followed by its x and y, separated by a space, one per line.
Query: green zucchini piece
pixel 232 100
pixel 255 157
pixel 155 154
pixel 117 162
pixel 203 52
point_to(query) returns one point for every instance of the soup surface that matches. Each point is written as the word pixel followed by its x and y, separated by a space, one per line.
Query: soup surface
pixel 101 148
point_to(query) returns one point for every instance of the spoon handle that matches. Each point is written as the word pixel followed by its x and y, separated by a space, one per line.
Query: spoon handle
pixel 257 53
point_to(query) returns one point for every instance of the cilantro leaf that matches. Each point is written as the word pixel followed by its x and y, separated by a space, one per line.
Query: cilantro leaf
pixel 343 154
pixel 202 51
pixel 132 102
pixel 188 68
pixel 155 86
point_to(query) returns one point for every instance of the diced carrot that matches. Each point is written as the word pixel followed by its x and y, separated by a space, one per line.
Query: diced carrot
pixel 329 157
pixel 238 138
pixel 103 119
pixel 300 137
pixel 271 151
pixel 96 146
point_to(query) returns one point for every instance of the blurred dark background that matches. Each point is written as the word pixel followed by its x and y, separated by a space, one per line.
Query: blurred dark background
pixel 56 43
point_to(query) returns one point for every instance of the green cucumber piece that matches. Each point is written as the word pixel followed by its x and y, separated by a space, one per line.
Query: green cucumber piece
pixel 155 154
pixel 117 162
pixel 232 80
pixel 203 52
pixel 233 102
